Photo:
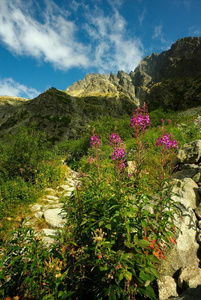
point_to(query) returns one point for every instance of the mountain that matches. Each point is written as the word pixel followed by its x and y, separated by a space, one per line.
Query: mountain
pixel 171 80
pixel 61 115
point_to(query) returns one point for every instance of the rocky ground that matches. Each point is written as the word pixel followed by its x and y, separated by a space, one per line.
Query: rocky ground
pixel 47 215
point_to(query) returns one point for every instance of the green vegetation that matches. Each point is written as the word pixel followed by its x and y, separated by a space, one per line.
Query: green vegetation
pixel 27 166
pixel 120 219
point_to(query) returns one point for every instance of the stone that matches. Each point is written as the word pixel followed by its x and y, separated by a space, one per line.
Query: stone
pixel 199 224
pixel 38 214
pixel 35 207
pixel 198 212
pixel 197 177
pixel 66 187
pixel 190 277
pixel 67 194
pixel 186 192
pixel 184 253
pixel 167 287
pixel 49 232
pixel 199 237
pixel 55 217
pixel 51 197
pixel 48 240
pixel 190 173
pixel 190 152
pixel 190 294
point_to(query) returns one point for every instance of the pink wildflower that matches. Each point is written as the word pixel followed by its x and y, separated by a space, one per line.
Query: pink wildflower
pixel 94 142
pixel 140 119
pixel 167 142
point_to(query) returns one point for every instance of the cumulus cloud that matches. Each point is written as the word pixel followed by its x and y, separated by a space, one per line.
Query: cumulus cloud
pixel 10 87
pixel 112 48
pixel 52 36
pixel 52 40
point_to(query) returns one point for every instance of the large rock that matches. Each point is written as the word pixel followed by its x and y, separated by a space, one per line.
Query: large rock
pixel 190 153
pixel 185 252
pixel 190 294
pixel 167 287
pixel 190 277
pixel 55 217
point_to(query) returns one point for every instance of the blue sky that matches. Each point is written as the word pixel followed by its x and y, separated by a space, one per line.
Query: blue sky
pixel 45 43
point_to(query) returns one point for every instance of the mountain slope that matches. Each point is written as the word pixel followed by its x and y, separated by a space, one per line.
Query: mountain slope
pixel 171 80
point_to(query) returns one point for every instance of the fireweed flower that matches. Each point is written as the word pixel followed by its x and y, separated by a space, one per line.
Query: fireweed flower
pixel 140 119
pixel 118 154
pixel 94 142
pixel 166 142
pixel 114 139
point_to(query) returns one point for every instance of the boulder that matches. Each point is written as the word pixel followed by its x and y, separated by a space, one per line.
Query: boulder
pixel 184 253
pixel 190 153
pixel 55 217
pixel 190 277
pixel 167 287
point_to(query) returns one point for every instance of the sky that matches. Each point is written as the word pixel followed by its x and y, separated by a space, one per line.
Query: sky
pixel 54 43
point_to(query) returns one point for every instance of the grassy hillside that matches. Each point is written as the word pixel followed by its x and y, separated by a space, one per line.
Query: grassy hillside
pixel 109 248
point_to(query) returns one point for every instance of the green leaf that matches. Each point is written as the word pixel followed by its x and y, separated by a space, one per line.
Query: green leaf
pixel 143 243
pixel 101 223
pixel 128 275
pixel 48 297
pixel 84 222
pixel 105 268
pixel 108 226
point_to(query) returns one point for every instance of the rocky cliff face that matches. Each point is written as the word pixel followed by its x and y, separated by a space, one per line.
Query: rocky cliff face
pixel 171 79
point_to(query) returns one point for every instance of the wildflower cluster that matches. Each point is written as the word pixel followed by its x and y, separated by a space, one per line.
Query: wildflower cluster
pixel 114 139
pixel 140 119
pixel 167 142
pixel 94 142
pixel 119 150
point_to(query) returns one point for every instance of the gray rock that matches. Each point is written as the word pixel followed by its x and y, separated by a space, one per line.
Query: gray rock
pixel 51 197
pixel 67 194
pixel 190 153
pixel 198 212
pixel 185 252
pixel 55 217
pixel 167 287
pixel 36 207
pixel 49 232
pixel 48 240
pixel 190 277
pixel 38 214
pixel 199 224
pixel 190 294
pixel 199 237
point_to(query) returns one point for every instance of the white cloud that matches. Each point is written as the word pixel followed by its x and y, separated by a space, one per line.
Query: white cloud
pixel 10 87
pixel 159 35
pixel 186 4
pixel 194 30
pixel 141 16
pixel 113 49
pixel 52 41
pixel 52 36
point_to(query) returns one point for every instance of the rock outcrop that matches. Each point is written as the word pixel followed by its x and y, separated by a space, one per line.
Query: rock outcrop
pixel 181 267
